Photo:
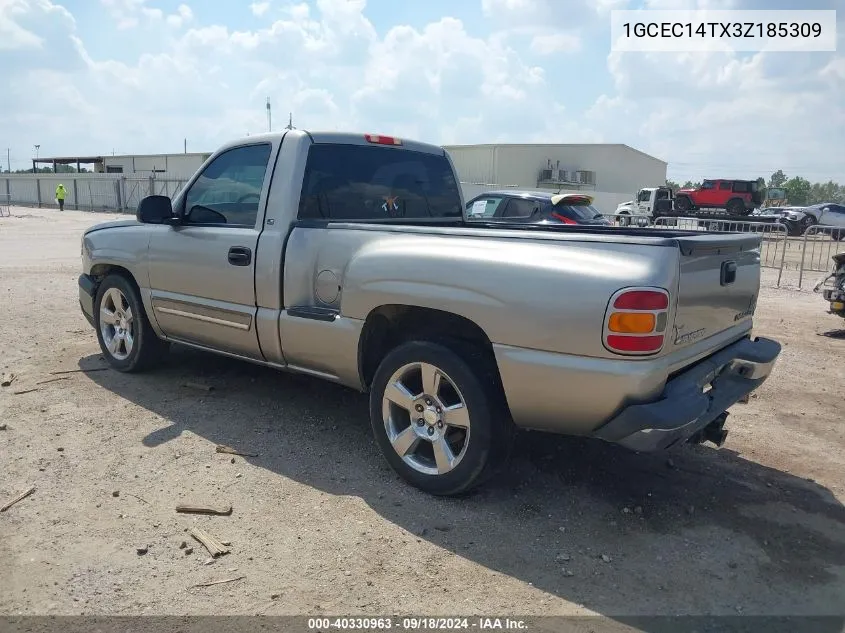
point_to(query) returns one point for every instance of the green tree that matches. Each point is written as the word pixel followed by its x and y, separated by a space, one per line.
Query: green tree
pixel 777 179
pixel 689 184
pixel 826 192
pixel 672 185
pixel 797 190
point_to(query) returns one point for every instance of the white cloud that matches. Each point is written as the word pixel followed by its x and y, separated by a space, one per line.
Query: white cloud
pixel 129 14
pixel 259 8
pixel 183 15
pixel 502 78
pixel 551 43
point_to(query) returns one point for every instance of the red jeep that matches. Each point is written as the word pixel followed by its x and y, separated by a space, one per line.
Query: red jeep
pixel 737 197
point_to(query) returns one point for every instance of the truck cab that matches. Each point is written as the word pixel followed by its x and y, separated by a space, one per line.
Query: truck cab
pixel 647 203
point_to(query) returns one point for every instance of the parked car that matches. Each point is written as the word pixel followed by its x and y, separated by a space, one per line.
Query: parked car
pixel 737 197
pixel 535 207
pixel 347 257
pixel 829 214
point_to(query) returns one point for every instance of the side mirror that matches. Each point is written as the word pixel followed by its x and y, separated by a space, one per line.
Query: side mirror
pixel 155 210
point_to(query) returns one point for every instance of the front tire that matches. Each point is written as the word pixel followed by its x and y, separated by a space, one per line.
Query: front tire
pixel 441 424
pixel 806 222
pixel 126 337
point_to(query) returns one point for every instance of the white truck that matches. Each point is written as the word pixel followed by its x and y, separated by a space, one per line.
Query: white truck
pixel 641 210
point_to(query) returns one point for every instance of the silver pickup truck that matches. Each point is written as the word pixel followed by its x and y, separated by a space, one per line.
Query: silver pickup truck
pixel 348 257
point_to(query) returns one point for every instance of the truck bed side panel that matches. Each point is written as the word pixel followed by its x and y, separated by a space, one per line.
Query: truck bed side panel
pixel 549 296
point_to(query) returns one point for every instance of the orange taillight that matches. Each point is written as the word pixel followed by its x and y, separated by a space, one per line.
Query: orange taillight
pixel 632 322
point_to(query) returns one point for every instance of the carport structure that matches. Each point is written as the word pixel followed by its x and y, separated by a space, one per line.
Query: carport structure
pixel 78 161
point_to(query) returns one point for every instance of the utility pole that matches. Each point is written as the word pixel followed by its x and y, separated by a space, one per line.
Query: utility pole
pixel 269 117
pixel 186 146
pixel 9 159
pixel 37 147
pixel 290 121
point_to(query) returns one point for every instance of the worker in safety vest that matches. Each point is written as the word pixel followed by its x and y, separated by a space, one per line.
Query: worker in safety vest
pixel 61 192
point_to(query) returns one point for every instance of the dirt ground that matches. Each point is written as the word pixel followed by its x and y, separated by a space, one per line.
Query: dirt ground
pixel 322 526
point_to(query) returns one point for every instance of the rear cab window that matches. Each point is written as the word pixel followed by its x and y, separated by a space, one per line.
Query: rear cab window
pixel 347 182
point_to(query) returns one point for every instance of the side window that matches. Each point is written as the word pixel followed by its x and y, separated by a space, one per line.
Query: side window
pixel 643 196
pixel 741 187
pixel 708 184
pixel 725 185
pixel 483 208
pixel 520 208
pixel 663 194
pixel 228 190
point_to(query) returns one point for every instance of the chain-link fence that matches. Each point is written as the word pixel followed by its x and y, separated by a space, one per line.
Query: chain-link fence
pixel 85 192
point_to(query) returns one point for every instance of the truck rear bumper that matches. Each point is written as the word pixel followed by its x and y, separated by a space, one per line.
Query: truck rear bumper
pixel 685 408
pixel 87 290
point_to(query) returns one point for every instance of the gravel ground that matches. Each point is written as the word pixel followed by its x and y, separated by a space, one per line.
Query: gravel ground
pixel 321 525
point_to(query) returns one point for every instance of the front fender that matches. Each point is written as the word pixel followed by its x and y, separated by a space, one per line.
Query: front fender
pixel 126 247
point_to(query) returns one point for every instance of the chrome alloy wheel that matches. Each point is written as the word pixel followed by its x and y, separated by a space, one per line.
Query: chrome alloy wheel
pixel 117 324
pixel 426 418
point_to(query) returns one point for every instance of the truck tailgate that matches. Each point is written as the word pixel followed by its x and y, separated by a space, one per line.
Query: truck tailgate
pixel 718 285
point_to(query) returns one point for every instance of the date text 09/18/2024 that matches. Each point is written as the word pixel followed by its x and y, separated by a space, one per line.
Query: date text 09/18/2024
pixel 416 624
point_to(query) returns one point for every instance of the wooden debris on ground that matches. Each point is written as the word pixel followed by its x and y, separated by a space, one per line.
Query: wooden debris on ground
pixel 214 547
pixel 20 392
pixel 44 382
pixel 223 510
pixel 199 385
pixel 76 371
pixel 233 451
pixel 20 497
pixel 7 379
pixel 218 582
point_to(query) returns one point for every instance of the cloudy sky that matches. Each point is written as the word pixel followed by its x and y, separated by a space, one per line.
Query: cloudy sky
pixel 139 76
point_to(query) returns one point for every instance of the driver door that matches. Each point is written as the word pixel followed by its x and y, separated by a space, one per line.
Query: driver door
pixel 202 270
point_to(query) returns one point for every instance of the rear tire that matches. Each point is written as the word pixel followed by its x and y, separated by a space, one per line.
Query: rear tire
pixel 682 203
pixel 441 423
pixel 736 207
pixel 624 219
pixel 126 337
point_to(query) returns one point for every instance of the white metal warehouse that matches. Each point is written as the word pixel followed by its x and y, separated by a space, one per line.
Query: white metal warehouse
pixel 610 172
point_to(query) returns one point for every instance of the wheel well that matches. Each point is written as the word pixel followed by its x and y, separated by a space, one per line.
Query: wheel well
pixel 101 271
pixel 388 326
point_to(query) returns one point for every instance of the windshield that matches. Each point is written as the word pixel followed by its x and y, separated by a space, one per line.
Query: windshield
pixel 359 182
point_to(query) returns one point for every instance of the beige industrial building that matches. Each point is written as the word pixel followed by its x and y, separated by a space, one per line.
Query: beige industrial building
pixel 612 173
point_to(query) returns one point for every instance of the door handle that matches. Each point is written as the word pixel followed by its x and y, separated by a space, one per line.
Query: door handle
pixel 240 256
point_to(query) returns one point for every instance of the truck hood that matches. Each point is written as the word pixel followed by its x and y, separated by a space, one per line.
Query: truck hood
pixel 111 225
